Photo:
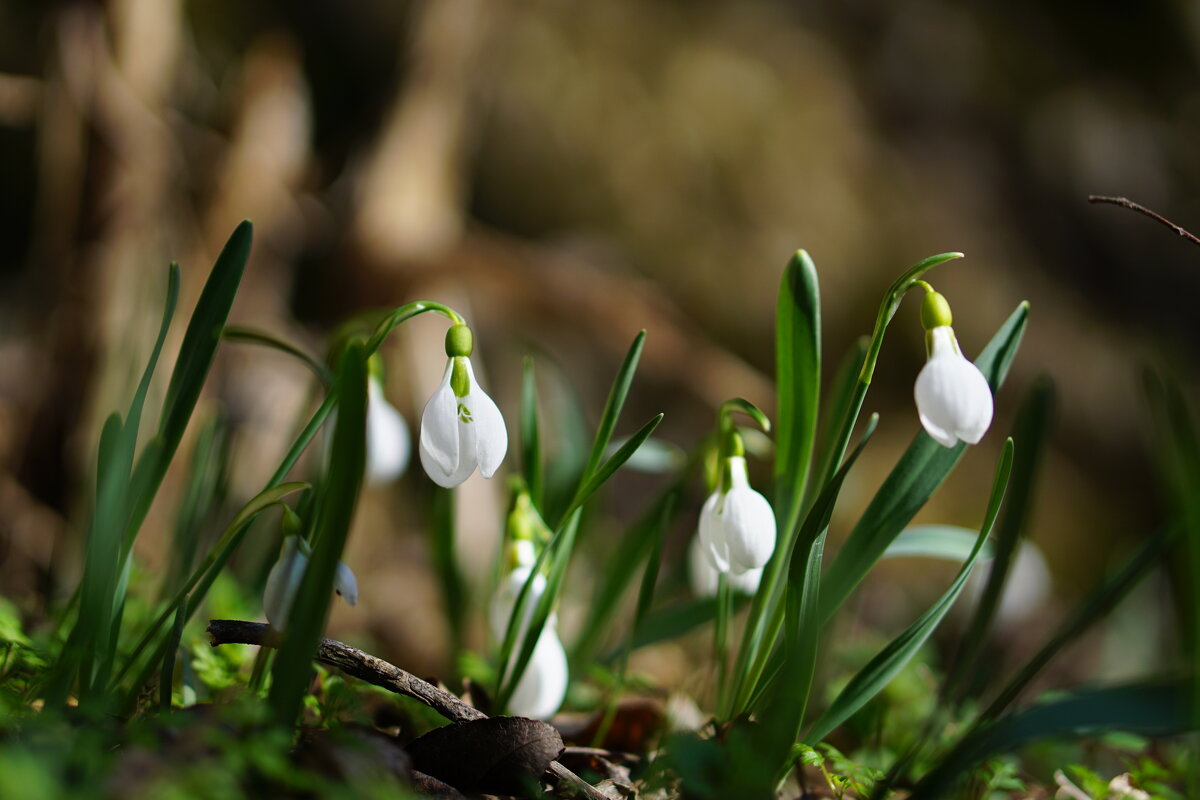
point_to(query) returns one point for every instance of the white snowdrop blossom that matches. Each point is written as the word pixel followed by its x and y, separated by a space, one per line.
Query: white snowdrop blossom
pixel 953 398
pixel 705 578
pixel 461 428
pixel 284 581
pixel 737 525
pixel 389 445
pixel 540 691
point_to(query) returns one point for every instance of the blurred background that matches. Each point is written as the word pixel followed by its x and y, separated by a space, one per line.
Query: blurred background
pixel 570 173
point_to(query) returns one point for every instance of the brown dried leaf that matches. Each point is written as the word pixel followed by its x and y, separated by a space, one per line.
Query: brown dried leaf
pixel 498 755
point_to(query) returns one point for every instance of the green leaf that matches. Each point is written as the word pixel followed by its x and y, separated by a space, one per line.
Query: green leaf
pixel 947 542
pixel 336 501
pixel 243 335
pixel 1151 709
pixel 802 625
pixel 872 678
pixel 195 357
pixel 840 392
pixel 798 384
pixel 531 440
pixel 631 550
pixel 606 470
pixel 914 479
pixel 612 411
pixel 1033 422
pixel 1103 599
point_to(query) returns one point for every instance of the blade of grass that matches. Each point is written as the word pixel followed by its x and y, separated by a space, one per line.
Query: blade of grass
pixel 914 479
pixel 1148 709
pixel 1096 605
pixel 802 627
pixel 531 438
pixel 335 506
pixel 244 335
pixel 947 542
pixel 612 411
pixel 454 597
pixel 1033 422
pixel 872 678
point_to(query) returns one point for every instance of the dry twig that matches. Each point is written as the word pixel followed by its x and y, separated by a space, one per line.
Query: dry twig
pixel 380 673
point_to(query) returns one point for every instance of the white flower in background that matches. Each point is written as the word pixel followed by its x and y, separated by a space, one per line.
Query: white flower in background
pixel 461 428
pixel 540 691
pixel 705 577
pixel 389 446
pixel 1026 589
pixel 284 581
pixel 737 525
pixel 953 398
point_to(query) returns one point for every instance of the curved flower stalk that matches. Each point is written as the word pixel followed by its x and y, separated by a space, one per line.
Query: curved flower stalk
pixel 461 428
pixel 953 398
pixel 540 691
pixel 284 581
pixel 389 446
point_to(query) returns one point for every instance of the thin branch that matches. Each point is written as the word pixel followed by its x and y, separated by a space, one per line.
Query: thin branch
pixel 367 667
pixel 1125 202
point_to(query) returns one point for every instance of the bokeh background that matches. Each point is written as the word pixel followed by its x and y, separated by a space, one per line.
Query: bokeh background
pixel 570 173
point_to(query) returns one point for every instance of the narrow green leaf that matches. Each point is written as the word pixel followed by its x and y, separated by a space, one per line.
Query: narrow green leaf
pixel 840 393
pixel 798 384
pixel 531 439
pixel 195 358
pixel 1103 599
pixel 334 511
pixel 612 410
pixel 802 626
pixel 914 479
pixel 1148 709
pixel 606 470
pixel 244 335
pixel 946 542
pixel 872 678
pixel 454 588
pixel 612 581
pixel 1033 422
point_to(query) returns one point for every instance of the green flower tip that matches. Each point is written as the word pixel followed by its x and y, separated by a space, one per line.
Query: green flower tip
pixel 460 380
pixel 290 523
pixel 935 311
pixel 459 341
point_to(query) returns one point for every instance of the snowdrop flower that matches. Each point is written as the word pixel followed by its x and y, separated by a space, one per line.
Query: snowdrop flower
pixel 284 581
pixel 388 444
pixel 461 428
pixel 953 398
pixel 737 525
pixel 542 687
pixel 705 579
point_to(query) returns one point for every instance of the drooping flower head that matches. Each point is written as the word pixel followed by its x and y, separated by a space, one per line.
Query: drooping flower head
pixel 389 445
pixel 737 526
pixel 461 428
pixel 953 398
pixel 283 581
pixel 540 691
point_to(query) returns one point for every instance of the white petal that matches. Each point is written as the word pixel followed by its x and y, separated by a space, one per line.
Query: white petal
pixel 345 584
pixel 745 582
pixel 505 601
pixel 737 472
pixel 440 446
pixel 953 398
pixel 749 525
pixel 541 690
pixel 702 574
pixel 283 582
pixel 712 534
pixel 491 437
pixel 389 445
